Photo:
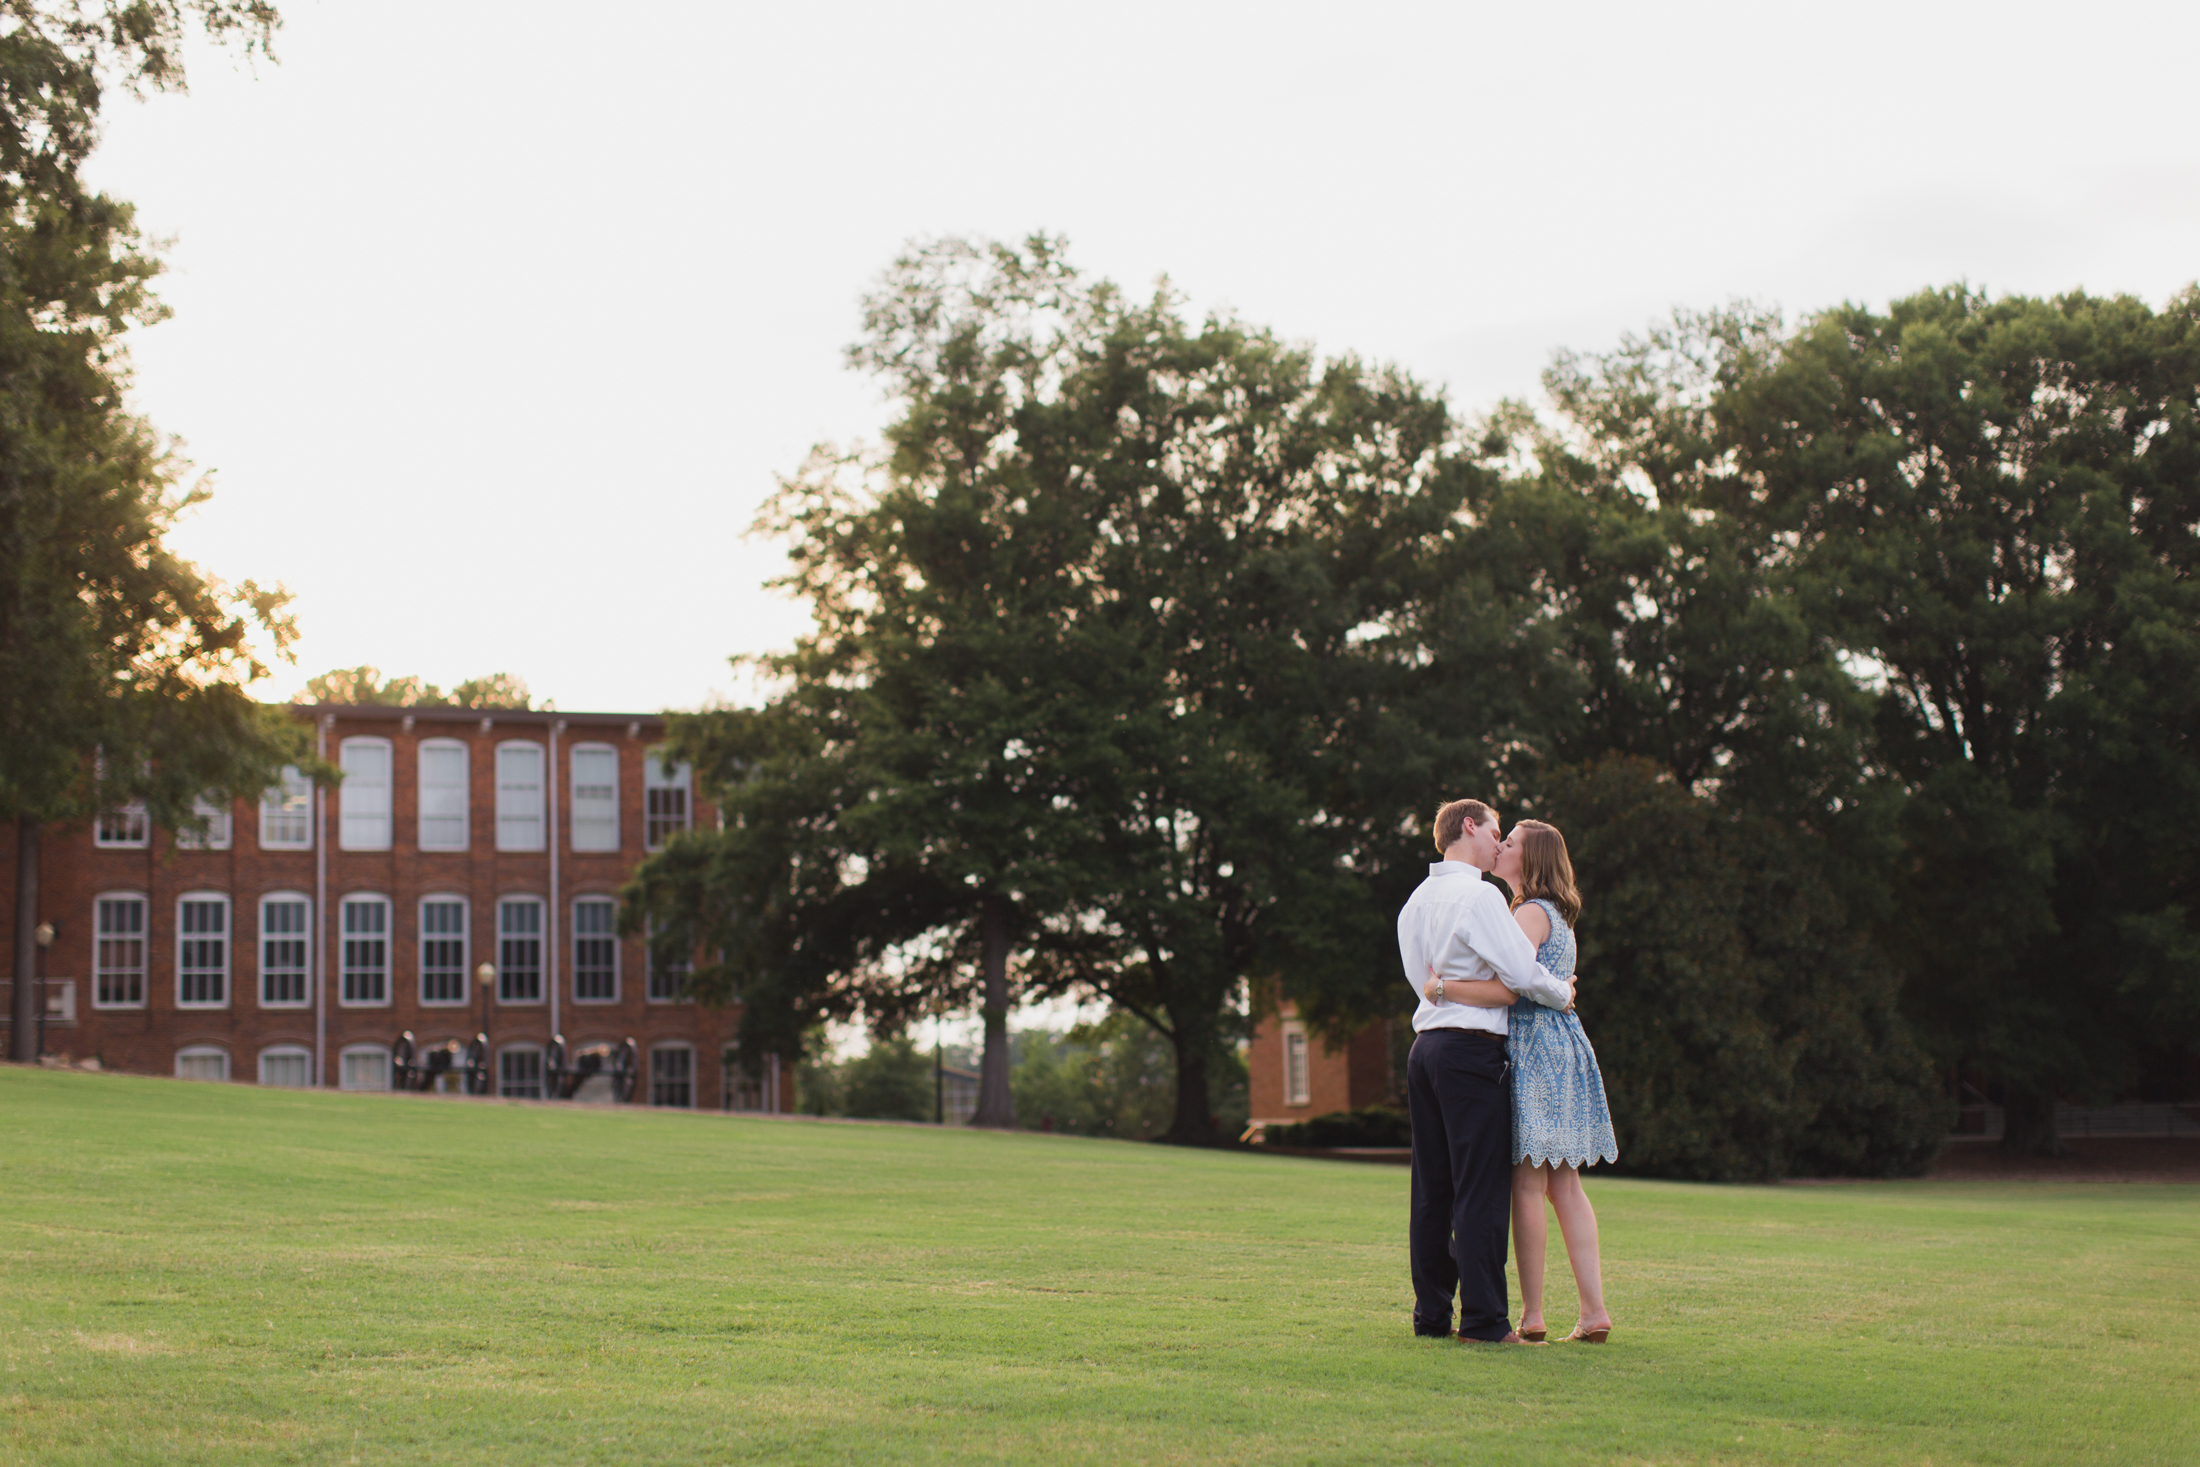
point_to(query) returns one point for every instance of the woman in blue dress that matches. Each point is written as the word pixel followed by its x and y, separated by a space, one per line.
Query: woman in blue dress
pixel 1560 1120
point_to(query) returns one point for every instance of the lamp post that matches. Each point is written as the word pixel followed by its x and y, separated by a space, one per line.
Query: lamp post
pixel 44 936
pixel 485 978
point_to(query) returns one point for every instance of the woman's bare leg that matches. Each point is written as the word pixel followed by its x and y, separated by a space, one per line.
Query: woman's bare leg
pixel 1577 1222
pixel 1530 1236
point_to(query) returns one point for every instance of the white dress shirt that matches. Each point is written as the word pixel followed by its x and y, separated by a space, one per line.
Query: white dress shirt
pixel 1458 922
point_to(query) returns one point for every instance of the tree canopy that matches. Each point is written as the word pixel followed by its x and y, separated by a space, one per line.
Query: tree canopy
pixel 122 667
pixel 367 685
pixel 1854 658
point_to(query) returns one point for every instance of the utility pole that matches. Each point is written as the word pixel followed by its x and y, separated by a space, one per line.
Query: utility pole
pixel 939 1077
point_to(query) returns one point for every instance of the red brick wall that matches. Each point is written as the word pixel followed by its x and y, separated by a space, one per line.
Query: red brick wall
pixel 1343 1077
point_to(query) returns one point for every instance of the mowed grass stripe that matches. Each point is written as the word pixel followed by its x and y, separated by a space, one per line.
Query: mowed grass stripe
pixel 205 1273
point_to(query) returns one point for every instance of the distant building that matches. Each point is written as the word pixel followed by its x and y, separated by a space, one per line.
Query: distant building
pixel 306 930
pixel 1292 1074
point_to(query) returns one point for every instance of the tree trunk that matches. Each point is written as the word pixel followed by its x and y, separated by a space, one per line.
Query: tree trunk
pixel 1194 1123
pixel 23 1015
pixel 996 1105
pixel 2028 1122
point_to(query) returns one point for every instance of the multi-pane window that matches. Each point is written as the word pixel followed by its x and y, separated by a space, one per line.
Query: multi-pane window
pixel 202 1062
pixel 519 797
pixel 125 825
pixel 519 950
pixel 286 1065
pixel 672 1076
pixel 595 797
pixel 284 948
pixel 202 951
pixel 214 835
pixel 519 1073
pixel 443 795
pixel 667 981
pixel 366 952
pixel 595 950
pixel 118 959
pixel 665 799
pixel 1295 1079
pixel 442 950
pixel 363 800
pixel 364 1067
pixel 286 813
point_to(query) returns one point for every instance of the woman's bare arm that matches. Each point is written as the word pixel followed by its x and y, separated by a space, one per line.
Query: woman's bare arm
pixel 1534 921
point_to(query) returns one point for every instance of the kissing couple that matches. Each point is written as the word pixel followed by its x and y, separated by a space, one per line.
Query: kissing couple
pixel 1500 1068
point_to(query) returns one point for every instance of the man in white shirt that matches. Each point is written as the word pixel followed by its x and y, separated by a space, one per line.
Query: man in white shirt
pixel 1457 927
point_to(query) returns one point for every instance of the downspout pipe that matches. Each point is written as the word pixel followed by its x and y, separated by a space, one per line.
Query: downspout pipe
pixel 320 906
pixel 550 927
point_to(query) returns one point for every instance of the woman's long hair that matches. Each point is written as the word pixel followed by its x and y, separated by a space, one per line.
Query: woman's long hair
pixel 1546 870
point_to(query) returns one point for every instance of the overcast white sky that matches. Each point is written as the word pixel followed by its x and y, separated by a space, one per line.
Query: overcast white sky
pixel 496 320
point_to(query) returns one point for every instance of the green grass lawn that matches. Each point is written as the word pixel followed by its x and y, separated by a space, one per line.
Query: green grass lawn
pixel 213 1273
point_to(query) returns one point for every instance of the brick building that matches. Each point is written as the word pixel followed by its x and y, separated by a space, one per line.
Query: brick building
pixel 1295 1075
pixel 462 880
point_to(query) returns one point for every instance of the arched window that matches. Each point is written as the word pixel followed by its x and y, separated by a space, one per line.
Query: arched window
pixel 595 950
pixel 364 934
pixel 286 813
pixel 595 803
pixel 286 1065
pixel 202 950
pixel 118 950
pixel 444 795
pixel 364 1067
pixel 443 949
pixel 286 950
pixel 519 796
pixel 672 1076
pixel 202 1062
pixel 363 799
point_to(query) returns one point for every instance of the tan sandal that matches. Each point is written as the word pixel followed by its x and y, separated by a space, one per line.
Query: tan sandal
pixel 1582 1336
pixel 1533 1336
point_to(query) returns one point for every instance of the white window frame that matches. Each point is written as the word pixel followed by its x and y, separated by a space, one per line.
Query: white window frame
pixel 669 1047
pixel 303 938
pixel 541 939
pixel 519 829
pixel 143 971
pixel 595 817
pixel 657 774
pixel 221 827
pixel 290 799
pixel 541 1087
pixel 379 1054
pixel 464 813
pixel 465 948
pixel 1298 1066
pixel 360 826
pixel 123 828
pixel 219 900
pixel 609 935
pixel 202 1051
pixel 344 968
pixel 287 1052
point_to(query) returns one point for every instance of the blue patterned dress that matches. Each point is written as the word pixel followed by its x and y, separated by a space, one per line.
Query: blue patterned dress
pixel 1559 1114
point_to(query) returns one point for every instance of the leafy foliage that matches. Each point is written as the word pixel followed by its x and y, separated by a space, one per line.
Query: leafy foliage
pixel 367 685
pixel 1371 1125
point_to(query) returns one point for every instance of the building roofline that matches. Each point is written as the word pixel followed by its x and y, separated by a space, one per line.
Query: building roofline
pixel 438 714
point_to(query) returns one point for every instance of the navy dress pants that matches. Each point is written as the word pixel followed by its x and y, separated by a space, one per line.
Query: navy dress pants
pixel 1459 1095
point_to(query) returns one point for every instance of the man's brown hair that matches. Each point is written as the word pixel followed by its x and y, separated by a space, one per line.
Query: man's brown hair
pixel 1456 817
